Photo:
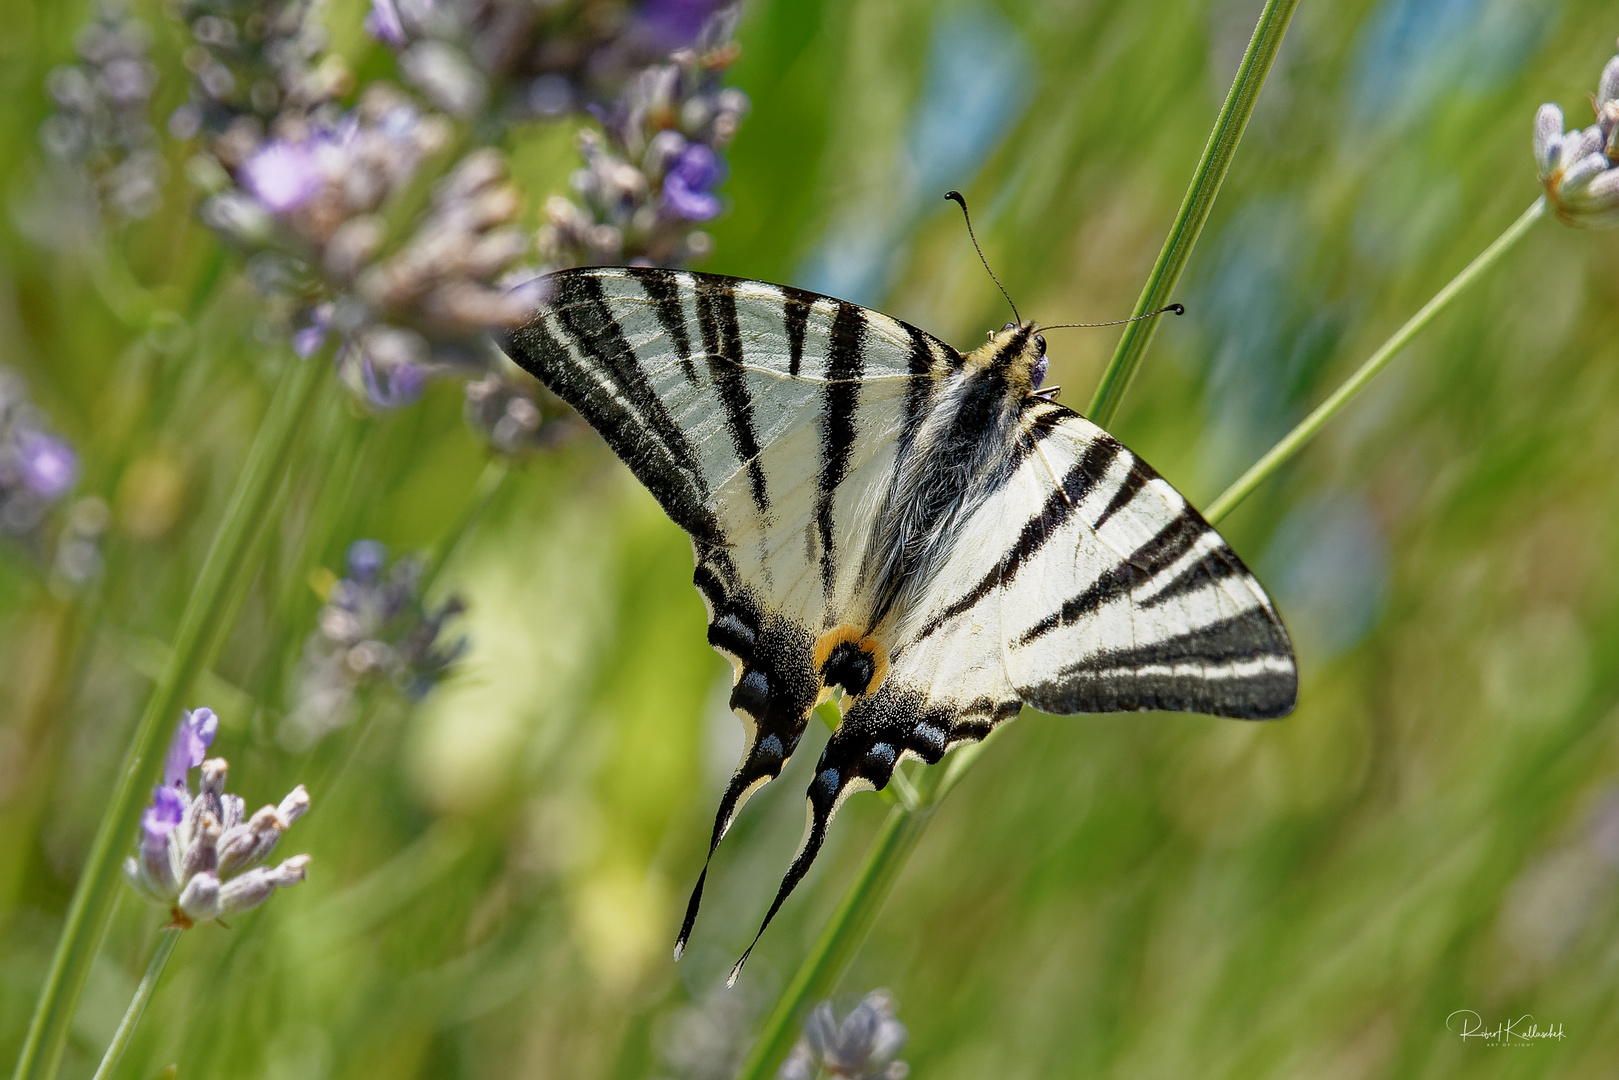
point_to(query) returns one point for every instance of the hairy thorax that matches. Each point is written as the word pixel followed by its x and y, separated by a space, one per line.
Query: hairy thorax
pixel 957 457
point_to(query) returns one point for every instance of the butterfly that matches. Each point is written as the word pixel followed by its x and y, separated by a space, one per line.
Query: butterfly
pixel 872 510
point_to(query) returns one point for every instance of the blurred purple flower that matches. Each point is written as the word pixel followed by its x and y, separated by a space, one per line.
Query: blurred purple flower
pixel 676 23
pixel 307 340
pixel 282 175
pixel 392 386
pixel 366 561
pixel 686 185
pixel 166 811
pixel 382 22
pixel 190 745
pixel 49 465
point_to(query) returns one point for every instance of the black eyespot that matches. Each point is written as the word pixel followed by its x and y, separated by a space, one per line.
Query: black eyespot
pixel 1010 326
pixel 1040 343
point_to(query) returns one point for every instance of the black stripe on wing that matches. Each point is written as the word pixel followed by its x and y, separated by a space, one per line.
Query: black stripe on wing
pixel 1157 555
pixel 662 289
pixel 845 362
pixel 1240 666
pixel 722 341
pixel 1060 505
pixel 578 350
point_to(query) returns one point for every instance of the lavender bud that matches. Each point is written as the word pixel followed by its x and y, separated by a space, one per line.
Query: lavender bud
pixel 865 1046
pixel 1575 167
pixel 1608 84
pixel 199 900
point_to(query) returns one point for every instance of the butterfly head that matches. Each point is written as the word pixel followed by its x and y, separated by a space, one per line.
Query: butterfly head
pixel 1017 351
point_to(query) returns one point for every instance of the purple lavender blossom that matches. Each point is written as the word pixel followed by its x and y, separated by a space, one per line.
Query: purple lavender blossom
pixel 307 339
pixel 48 464
pixel 190 745
pixel 674 24
pixel 366 560
pixel 686 185
pixel 200 856
pixel 167 809
pixel 382 22
pixel 282 175
pixel 393 386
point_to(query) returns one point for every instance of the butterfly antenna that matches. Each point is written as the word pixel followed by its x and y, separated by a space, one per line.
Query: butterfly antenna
pixel 957 198
pixel 1178 309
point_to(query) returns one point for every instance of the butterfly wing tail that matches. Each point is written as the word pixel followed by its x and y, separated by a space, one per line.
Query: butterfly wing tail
pixel 861 756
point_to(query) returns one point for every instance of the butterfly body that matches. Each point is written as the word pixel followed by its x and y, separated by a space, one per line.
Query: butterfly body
pixel 874 510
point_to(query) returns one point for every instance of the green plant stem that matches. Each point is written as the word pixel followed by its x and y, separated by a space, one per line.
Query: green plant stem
pixel 98 884
pixel 1194 211
pixel 1310 425
pixel 137 1004
pixel 839 939
pixel 488 485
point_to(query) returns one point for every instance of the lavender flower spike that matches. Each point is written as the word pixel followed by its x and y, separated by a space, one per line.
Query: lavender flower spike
pixel 687 184
pixel 865 1046
pixel 1580 169
pixel 201 855
pixel 192 738
pixel 48 464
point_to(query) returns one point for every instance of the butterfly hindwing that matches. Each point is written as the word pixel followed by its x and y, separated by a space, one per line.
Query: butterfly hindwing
pixel 1123 598
pixel 1085 583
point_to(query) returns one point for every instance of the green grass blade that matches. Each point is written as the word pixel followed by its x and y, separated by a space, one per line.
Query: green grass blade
pixel 98 885
pixel 1294 441
pixel 137 1004
pixel 1194 211
pixel 839 939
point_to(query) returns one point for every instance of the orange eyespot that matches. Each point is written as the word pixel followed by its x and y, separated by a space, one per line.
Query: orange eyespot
pixel 845 657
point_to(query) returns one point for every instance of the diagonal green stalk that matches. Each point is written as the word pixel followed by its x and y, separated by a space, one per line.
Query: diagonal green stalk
pixel 202 621
pixel 1294 441
pixel 842 935
pixel 1194 211
pixel 137 1004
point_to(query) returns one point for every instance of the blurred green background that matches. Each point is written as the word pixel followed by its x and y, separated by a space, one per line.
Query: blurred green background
pixel 499 872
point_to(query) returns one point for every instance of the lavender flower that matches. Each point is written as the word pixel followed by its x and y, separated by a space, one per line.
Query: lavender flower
pixel 36 467
pixel 312 193
pixel 48 464
pixel 200 855
pixel 688 183
pixel 650 174
pixel 254 63
pixel 99 139
pixel 311 207
pixel 865 1046
pixel 516 416
pixel 514 59
pixel 374 630
pixel 1580 169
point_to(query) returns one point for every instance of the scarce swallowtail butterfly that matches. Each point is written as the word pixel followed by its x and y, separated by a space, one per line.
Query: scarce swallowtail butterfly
pixel 873 510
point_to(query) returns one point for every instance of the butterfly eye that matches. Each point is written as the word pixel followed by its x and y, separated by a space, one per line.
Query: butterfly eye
pixel 1010 326
pixel 1040 343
